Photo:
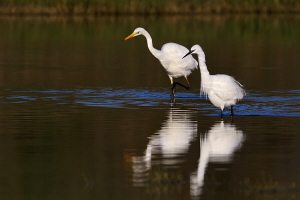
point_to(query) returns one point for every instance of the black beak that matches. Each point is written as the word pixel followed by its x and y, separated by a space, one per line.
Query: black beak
pixel 190 52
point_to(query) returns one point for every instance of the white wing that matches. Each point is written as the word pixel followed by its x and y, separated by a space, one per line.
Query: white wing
pixel 171 59
pixel 226 87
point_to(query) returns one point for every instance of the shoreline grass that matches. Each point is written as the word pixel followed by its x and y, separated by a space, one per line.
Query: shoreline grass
pixel 154 7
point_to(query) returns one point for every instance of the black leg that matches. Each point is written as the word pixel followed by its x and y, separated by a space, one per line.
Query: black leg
pixel 186 87
pixel 221 114
pixel 172 100
pixel 173 90
pixel 232 111
pixel 172 95
pixel 231 116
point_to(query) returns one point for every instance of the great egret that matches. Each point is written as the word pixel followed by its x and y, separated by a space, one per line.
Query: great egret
pixel 170 57
pixel 221 89
pixel 168 145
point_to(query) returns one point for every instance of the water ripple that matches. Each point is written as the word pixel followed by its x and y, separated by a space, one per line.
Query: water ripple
pixel 256 103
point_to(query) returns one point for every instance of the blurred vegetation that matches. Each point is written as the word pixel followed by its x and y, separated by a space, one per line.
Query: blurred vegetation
pixel 268 188
pixel 146 7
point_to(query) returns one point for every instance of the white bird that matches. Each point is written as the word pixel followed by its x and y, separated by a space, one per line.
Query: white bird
pixel 170 56
pixel 167 146
pixel 221 89
pixel 217 146
pixel 174 137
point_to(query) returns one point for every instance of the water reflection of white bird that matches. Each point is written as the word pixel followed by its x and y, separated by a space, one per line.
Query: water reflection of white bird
pixel 221 89
pixel 174 138
pixel 171 142
pixel 170 56
pixel 218 145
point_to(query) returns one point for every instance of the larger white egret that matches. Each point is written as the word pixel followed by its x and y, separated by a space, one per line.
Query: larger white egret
pixel 167 146
pixel 221 89
pixel 170 56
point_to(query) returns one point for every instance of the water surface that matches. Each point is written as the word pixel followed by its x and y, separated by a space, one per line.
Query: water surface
pixel 84 115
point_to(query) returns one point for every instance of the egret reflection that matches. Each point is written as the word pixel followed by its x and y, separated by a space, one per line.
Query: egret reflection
pixel 217 146
pixel 167 146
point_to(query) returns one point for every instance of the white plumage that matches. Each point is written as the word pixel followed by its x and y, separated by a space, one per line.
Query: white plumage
pixel 221 89
pixel 217 146
pixel 170 56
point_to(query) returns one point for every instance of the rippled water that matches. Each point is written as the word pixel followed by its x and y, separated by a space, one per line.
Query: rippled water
pixel 256 103
pixel 84 115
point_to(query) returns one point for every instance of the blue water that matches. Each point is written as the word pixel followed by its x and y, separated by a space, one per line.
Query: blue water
pixel 256 103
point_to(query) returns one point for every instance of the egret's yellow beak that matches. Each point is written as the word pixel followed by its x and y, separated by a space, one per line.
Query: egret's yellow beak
pixel 130 36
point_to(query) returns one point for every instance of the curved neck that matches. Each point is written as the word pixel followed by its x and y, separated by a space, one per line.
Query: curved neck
pixel 205 76
pixel 203 68
pixel 203 161
pixel 154 51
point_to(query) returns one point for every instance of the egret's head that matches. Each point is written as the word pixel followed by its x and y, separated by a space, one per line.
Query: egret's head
pixel 196 49
pixel 136 32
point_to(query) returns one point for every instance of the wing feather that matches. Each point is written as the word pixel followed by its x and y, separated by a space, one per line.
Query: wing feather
pixel 172 61
pixel 227 88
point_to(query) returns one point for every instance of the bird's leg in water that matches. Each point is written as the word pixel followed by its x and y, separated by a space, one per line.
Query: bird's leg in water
pixel 231 111
pixel 172 99
pixel 173 90
pixel 221 114
pixel 173 87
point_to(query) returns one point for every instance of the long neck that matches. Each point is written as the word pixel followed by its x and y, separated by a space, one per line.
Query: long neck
pixel 154 51
pixel 203 161
pixel 205 76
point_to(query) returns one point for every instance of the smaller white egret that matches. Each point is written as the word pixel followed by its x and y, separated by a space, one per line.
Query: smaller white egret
pixel 221 89
pixel 170 56
pixel 217 146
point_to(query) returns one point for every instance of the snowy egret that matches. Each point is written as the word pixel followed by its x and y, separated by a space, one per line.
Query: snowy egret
pixel 170 57
pixel 221 89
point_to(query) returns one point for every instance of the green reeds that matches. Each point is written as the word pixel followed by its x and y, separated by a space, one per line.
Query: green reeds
pixel 146 7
